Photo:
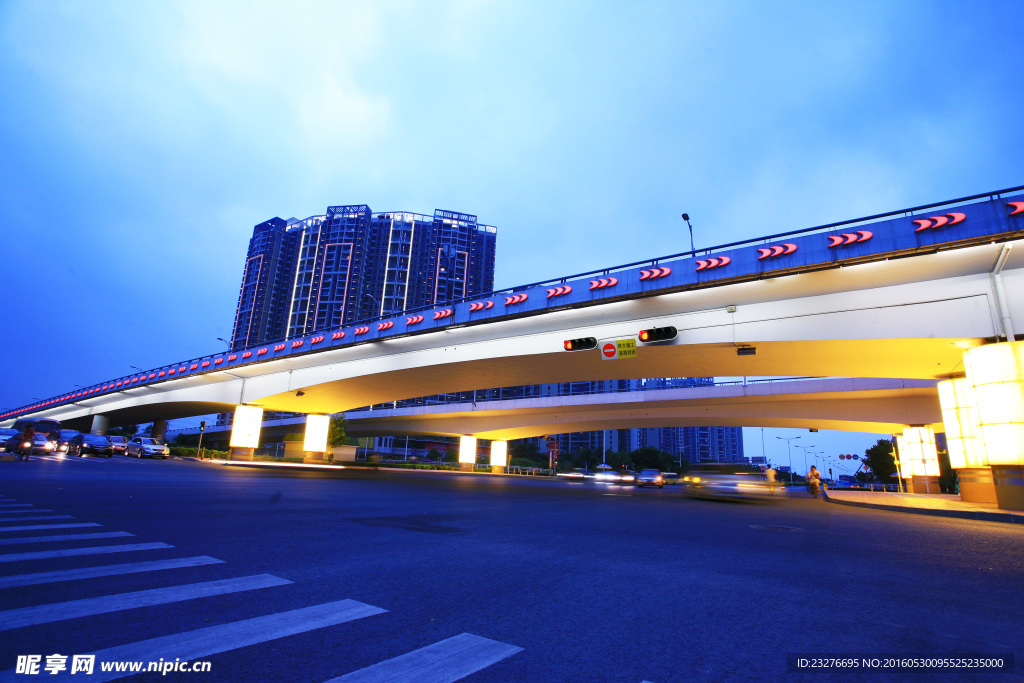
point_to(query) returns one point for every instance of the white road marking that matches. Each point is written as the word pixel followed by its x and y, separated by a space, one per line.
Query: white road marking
pixel 33 527
pixel 32 519
pixel 21 512
pixel 448 660
pixel 98 550
pixel 203 642
pixel 7 506
pixel 64 537
pixel 74 609
pixel 106 570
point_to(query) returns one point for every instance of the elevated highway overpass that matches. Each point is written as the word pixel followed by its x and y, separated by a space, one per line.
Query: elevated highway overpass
pixel 895 296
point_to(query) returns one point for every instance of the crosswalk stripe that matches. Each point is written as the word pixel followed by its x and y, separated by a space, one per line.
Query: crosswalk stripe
pixel 64 537
pixel 449 660
pixel 32 519
pixel 203 642
pixel 74 609
pixel 98 550
pixel 106 570
pixel 33 527
pixel 21 512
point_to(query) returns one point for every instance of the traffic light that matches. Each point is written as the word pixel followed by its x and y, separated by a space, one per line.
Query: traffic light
pixel 657 334
pixel 580 344
pixel 202 426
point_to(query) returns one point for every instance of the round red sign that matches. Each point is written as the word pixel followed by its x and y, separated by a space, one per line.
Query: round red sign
pixel 608 350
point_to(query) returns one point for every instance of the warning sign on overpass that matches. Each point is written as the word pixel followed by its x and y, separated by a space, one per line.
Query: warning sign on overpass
pixel 620 348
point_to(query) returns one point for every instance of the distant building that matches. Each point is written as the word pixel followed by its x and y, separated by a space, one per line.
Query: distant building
pixel 350 263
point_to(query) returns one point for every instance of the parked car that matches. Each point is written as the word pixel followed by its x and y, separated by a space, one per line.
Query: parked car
pixel 119 444
pixel 5 434
pixel 146 447
pixel 96 444
pixel 727 481
pixel 41 444
pixel 63 437
pixel 650 478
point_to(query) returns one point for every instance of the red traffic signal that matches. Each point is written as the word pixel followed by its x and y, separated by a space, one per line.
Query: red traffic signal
pixel 657 334
pixel 580 344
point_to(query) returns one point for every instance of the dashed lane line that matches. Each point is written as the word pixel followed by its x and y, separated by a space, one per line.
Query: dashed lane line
pixel 33 527
pixel 64 537
pixel 81 573
pixel 74 609
pixel 98 550
pixel 446 661
pixel 33 519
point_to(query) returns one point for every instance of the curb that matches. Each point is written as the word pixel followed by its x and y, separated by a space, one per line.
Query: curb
pixel 1003 517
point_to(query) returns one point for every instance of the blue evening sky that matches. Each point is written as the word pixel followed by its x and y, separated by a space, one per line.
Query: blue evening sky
pixel 141 141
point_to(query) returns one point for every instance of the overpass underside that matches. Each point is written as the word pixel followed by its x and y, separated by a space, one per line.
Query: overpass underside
pixel 844 404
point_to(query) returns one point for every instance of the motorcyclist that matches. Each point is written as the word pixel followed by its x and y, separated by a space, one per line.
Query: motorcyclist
pixel 29 435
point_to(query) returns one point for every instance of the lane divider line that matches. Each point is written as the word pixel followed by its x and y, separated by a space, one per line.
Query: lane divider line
pixel 203 642
pixel 74 609
pixel 98 550
pixel 448 660
pixel 81 573
pixel 64 537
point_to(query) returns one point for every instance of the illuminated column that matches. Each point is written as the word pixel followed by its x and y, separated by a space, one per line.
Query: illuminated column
pixel 499 456
pixel 467 453
pixel 315 443
pixel 920 460
pixel 996 373
pixel 966 450
pixel 245 432
pixel 99 424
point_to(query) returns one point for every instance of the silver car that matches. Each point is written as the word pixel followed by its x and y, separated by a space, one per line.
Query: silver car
pixel 145 447
pixel 650 478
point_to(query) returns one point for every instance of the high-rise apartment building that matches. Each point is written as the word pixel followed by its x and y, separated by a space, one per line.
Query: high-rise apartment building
pixel 350 263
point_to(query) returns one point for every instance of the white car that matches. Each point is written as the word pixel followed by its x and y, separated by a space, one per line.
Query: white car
pixel 145 447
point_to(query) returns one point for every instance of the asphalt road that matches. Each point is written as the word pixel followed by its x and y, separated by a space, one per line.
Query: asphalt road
pixel 554 581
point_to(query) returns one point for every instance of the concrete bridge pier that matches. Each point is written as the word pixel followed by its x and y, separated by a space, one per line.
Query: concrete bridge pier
pixel 983 414
pixel 499 456
pixel 99 425
pixel 245 432
pixel 159 429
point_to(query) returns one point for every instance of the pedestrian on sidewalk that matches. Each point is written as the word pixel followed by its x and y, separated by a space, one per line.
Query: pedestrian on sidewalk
pixel 814 481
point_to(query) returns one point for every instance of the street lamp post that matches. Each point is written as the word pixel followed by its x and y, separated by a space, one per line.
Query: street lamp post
pixel 789 454
pixel 225 341
pixel 686 217
pixel 805 454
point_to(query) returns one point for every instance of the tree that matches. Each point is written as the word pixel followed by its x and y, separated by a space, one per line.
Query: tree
pixel 336 432
pixel 525 449
pixel 880 459
pixel 652 458
pixel 127 431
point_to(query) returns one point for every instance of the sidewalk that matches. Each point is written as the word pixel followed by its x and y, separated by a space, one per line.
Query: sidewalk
pixel 938 504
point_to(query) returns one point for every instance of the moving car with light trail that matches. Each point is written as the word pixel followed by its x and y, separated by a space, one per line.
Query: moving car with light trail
pixel 728 481
pixel 650 478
